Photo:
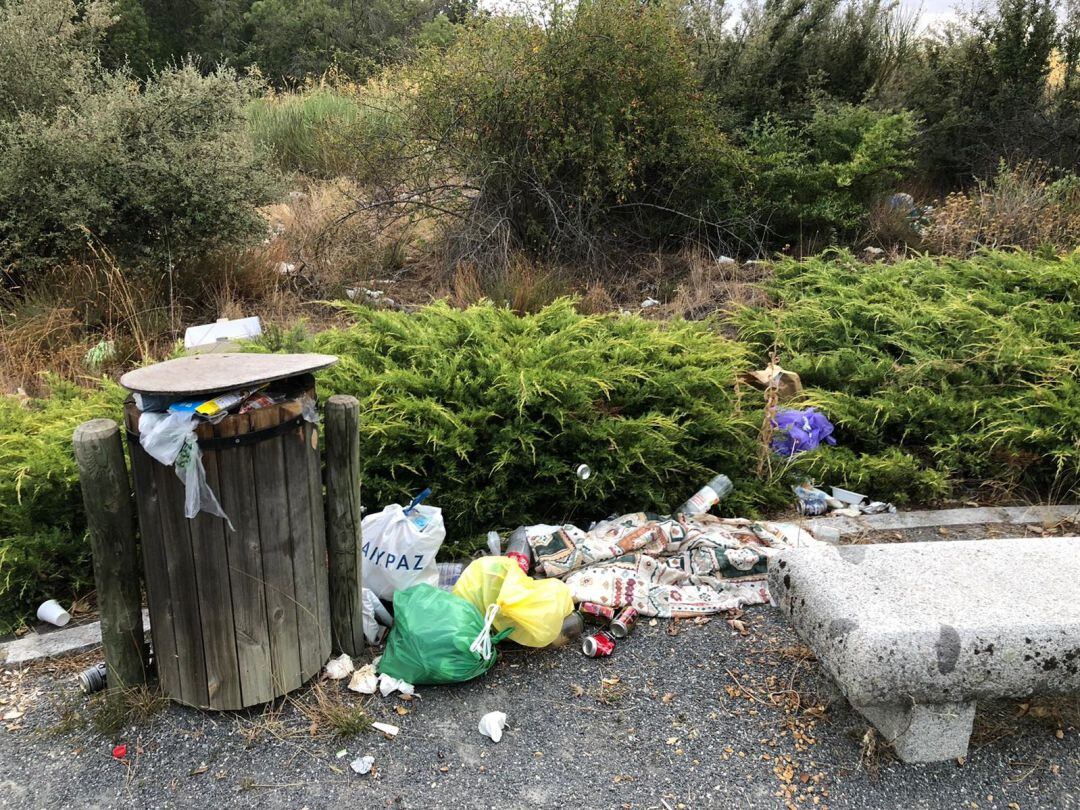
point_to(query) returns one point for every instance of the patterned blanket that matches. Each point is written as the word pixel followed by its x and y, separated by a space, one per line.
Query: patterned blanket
pixel 663 566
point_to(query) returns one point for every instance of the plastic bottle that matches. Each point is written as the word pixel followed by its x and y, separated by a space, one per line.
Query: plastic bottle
pixel 707 497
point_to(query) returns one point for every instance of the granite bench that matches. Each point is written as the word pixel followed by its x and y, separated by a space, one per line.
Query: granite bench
pixel 915 633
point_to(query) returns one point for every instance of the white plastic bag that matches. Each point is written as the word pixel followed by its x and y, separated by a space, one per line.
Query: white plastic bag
pixel 400 549
pixel 377 619
pixel 170 439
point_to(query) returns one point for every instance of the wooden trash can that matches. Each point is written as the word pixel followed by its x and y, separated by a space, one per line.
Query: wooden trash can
pixel 238 617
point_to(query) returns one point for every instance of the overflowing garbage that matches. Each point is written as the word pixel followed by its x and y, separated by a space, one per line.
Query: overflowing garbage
pixel 550 587
pixel 168 428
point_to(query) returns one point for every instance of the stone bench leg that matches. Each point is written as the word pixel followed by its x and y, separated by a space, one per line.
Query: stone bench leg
pixel 926 732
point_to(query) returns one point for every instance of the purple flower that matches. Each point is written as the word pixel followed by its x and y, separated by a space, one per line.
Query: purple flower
pixel 798 431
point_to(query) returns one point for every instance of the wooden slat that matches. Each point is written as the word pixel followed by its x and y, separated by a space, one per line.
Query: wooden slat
pixel 279 588
pixel 155 575
pixel 236 480
pixel 110 523
pixel 315 493
pixel 301 541
pixel 180 567
pixel 343 535
pixel 209 546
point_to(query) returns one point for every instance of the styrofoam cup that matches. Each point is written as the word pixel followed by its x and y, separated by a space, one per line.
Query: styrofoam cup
pixel 52 613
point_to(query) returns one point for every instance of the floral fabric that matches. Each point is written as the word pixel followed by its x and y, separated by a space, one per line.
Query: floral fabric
pixel 663 566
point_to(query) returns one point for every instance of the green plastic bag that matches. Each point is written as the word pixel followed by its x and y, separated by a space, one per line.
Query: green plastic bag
pixel 438 638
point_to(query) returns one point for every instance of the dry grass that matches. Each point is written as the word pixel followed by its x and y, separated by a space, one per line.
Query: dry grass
pixel 332 709
pixel 1020 208
pixel 114 709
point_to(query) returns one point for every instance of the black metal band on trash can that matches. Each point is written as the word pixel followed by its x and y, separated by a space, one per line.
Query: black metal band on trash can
pixel 243 439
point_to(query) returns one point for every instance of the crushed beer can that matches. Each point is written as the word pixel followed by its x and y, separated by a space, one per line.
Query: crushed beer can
pixel 598 645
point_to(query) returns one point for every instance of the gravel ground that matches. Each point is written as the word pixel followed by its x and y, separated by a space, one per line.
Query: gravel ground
pixel 684 715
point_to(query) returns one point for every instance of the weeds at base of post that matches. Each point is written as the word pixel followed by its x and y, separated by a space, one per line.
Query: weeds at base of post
pixel 332 710
pixel 114 709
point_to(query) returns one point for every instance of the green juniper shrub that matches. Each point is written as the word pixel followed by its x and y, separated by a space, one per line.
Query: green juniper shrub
pixel 495 411
pixel 817 181
pixel 43 551
pixel 935 369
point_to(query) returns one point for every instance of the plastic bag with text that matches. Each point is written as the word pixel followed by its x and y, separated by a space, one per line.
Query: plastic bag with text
pixel 400 549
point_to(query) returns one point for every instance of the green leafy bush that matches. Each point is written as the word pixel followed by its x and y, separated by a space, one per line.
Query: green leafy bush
pixel 1001 83
pixel 43 551
pixel 967 368
pixel 590 127
pixel 48 52
pixel 495 412
pixel 290 41
pixel 157 170
pixel 817 181
pixel 784 53
pixel 160 172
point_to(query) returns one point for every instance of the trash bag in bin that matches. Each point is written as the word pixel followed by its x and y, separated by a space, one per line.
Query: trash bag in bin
pixel 532 609
pixel 438 638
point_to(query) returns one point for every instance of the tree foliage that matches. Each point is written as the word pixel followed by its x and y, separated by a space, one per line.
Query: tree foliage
pixel 155 170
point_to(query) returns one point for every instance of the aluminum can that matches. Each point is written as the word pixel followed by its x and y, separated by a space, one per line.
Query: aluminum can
pixel 622 624
pixel 597 645
pixel 93 679
pixel 596 614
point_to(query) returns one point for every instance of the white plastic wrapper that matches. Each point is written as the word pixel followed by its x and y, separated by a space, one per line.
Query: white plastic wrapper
pixel 492 725
pixel 400 549
pixel 377 619
pixel 170 439
pixel 364 680
pixel 339 668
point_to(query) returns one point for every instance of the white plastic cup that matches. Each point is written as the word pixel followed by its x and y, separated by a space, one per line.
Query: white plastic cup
pixel 52 613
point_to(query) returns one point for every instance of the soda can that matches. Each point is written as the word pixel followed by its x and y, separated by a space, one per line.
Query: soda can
pixel 622 624
pixel 597 645
pixel 519 549
pixel 596 614
pixel 93 679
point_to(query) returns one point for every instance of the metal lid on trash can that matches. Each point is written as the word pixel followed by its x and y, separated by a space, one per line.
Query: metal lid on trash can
pixel 210 373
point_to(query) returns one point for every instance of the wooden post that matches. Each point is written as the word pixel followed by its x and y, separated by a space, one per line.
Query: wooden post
pixel 343 538
pixel 99 454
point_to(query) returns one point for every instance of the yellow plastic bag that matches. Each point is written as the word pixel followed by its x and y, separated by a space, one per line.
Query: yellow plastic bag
pixel 533 608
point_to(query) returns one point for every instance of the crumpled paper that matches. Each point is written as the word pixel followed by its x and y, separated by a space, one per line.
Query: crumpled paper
pixel 364 680
pixel 338 668
pixel 492 725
